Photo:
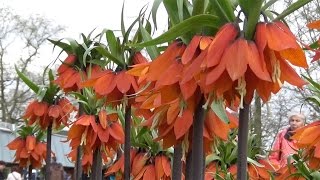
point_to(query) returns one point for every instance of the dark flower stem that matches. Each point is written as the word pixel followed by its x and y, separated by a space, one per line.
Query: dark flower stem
pixel 188 172
pixel 30 172
pixel 177 163
pixel 242 142
pixel 48 153
pixel 127 143
pixel 197 142
pixel 78 167
pixel 96 166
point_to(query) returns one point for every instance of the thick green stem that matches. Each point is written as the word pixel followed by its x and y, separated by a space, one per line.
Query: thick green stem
pixel 48 153
pixel 177 163
pixel 127 143
pixel 197 142
pixel 242 142
pixel 252 18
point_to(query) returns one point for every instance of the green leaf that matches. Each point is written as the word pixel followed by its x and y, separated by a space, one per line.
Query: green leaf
pixel 254 162
pixel 180 9
pixel 41 93
pixel 253 18
pixel 123 29
pixel 315 175
pixel 187 25
pixel 312 82
pixel 172 9
pixel 142 132
pixel 50 75
pixel 295 6
pixel 155 7
pixel 27 81
pixel 268 4
pixel 101 63
pixel 198 7
pixel 73 44
pixel 127 33
pixel 212 157
pixel 244 4
pixel 224 9
pixel 112 43
pixel 218 108
pixel 314 45
pixel 314 99
pixel 152 50
pixel 104 52
pixel 66 47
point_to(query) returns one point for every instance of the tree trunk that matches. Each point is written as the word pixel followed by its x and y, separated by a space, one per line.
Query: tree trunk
pixel 2 87
pixel 96 166
pixel 48 155
pixel 197 142
pixel 257 119
pixel 127 143
pixel 242 143
pixel 177 163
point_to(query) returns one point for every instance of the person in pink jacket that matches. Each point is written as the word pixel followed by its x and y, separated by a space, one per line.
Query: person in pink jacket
pixel 283 145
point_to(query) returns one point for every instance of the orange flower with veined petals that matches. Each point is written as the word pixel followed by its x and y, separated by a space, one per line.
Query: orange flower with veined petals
pixel 45 114
pixel 226 34
pixel 214 126
pixel 314 25
pixel 143 166
pixel 277 45
pixel 69 77
pixel 108 83
pixel 28 150
pixel 308 137
pixel 94 133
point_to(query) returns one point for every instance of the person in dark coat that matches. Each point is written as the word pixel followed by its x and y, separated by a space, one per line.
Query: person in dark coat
pixel 2 166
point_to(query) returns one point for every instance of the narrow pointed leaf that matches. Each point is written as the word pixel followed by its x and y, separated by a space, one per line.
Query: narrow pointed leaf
pixel 220 111
pixel 314 99
pixel 155 7
pixel 180 9
pixel 172 9
pixel 268 4
pixel 152 50
pixel 295 6
pixel 112 43
pixel 123 29
pixel 198 7
pixel 66 47
pixel 182 28
pixel 223 8
pixel 35 88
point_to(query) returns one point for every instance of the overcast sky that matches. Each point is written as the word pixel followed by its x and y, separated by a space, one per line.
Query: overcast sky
pixel 79 16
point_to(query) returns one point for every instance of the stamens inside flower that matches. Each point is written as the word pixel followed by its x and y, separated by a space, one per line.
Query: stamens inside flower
pixel 241 88
pixel 276 71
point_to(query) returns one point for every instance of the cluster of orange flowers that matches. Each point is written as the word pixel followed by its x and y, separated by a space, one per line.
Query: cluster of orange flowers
pixel 255 172
pixel 232 67
pixel 107 134
pixel 45 114
pixel 29 151
pixel 143 166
